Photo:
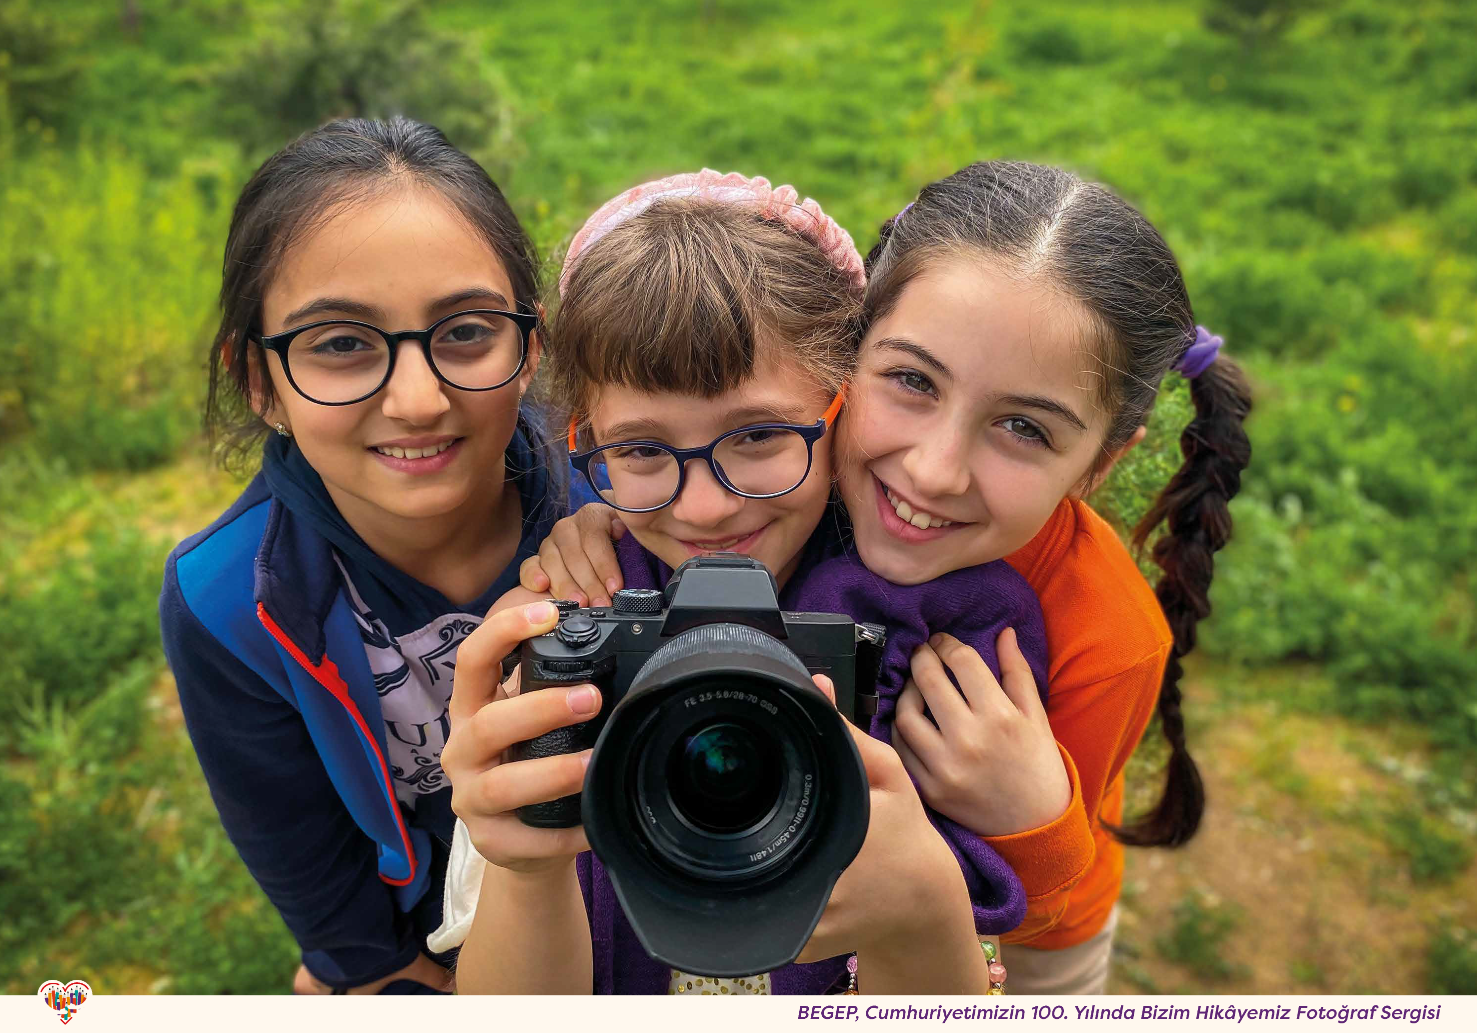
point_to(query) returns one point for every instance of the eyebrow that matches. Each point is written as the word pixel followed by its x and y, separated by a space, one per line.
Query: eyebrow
pixel 1040 403
pixel 650 428
pixel 922 354
pixel 1047 405
pixel 369 313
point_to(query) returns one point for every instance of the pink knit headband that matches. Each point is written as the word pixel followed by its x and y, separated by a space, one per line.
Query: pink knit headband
pixel 782 204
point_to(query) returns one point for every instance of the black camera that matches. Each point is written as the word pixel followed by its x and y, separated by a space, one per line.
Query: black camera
pixel 725 794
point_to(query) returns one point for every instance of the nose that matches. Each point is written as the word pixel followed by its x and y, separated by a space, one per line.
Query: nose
pixel 413 394
pixel 704 502
pixel 938 466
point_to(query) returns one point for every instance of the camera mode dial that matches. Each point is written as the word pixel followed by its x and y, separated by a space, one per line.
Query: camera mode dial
pixel 639 602
pixel 577 630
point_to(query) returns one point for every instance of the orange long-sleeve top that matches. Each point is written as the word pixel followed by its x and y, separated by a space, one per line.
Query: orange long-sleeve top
pixel 1108 643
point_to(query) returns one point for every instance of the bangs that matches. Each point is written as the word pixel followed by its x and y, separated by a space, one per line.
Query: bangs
pixel 690 298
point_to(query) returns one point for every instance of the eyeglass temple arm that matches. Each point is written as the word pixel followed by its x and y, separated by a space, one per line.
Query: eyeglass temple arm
pixel 829 416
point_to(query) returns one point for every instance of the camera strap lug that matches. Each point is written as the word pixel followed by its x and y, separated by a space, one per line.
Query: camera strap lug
pixel 871 639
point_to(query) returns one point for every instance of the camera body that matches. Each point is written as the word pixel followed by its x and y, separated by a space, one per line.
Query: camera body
pixel 724 790
pixel 607 646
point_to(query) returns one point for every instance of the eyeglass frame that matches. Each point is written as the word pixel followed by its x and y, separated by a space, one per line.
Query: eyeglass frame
pixel 526 322
pixel 809 432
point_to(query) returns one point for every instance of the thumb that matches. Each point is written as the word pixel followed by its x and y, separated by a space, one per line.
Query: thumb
pixel 884 766
pixel 826 685
pixel 617 529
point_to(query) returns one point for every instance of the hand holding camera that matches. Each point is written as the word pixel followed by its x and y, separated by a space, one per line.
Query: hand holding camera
pixel 487 718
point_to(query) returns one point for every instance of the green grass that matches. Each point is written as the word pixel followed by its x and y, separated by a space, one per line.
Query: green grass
pixel 1452 961
pixel 1318 187
pixel 1195 940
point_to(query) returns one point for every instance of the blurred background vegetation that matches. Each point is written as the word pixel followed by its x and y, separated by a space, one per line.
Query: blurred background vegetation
pixel 1313 163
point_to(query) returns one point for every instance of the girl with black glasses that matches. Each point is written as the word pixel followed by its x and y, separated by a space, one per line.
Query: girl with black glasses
pixel 313 628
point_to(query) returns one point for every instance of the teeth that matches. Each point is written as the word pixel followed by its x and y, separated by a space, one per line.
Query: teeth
pixel 413 453
pixel 916 517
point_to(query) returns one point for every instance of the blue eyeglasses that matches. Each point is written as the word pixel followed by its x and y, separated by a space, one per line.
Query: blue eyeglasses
pixel 761 461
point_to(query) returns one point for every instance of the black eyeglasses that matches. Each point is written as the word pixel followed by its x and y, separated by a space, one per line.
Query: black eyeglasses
pixel 343 361
pixel 761 461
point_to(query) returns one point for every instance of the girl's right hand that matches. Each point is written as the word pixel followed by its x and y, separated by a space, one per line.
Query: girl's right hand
pixel 486 719
pixel 577 561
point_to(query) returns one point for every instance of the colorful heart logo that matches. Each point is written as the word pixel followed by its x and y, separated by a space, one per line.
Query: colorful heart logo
pixel 64 998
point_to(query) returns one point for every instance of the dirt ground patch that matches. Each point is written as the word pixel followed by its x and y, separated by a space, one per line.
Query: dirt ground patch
pixel 1305 876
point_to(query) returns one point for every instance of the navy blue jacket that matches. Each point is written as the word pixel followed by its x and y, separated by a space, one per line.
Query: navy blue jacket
pixel 280 704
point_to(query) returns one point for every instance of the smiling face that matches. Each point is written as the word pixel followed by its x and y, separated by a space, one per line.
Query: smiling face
pixel 418 448
pixel 706 517
pixel 973 413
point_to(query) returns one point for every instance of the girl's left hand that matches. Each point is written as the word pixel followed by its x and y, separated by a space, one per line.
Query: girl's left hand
pixel 988 759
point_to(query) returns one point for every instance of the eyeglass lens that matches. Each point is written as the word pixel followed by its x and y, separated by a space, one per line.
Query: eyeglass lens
pixel 339 362
pixel 755 462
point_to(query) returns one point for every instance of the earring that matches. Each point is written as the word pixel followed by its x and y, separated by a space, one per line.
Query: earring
pixel 282 430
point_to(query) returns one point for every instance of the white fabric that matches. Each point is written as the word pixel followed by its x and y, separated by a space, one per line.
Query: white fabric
pixel 459 899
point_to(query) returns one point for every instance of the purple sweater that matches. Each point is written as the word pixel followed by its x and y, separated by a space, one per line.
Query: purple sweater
pixel 974 605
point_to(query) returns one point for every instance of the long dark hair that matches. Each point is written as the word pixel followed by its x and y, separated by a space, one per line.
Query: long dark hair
pixel 342 162
pixel 1099 249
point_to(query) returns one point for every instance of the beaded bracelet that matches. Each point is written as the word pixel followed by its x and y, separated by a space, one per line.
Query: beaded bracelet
pixel 997 971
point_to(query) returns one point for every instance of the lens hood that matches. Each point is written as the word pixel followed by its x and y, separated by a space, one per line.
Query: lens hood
pixel 725 796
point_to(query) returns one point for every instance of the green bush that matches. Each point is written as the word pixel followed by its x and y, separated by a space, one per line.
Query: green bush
pixel 41 58
pixel 80 621
pixel 315 60
pixel 120 848
pixel 1254 22
pixel 1451 961
pixel 1353 542
pixel 110 280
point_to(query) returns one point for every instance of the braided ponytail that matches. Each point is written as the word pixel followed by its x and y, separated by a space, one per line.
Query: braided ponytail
pixel 1043 221
pixel 1194 504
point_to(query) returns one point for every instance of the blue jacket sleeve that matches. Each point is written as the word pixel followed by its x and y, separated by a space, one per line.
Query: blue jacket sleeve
pixel 280 810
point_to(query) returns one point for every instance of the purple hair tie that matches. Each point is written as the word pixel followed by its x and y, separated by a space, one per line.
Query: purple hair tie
pixel 1200 354
pixel 900 214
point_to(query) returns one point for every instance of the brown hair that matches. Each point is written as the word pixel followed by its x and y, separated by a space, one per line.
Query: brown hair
pixel 341 162
pixel 1101 251
pixel 681 298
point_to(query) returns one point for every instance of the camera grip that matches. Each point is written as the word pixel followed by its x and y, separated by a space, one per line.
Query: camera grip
pixel 564 812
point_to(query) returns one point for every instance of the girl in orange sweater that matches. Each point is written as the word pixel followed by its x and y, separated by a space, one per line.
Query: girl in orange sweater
pixel 1020 322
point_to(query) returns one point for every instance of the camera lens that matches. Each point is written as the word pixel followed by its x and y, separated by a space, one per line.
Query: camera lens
pixel 725 777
